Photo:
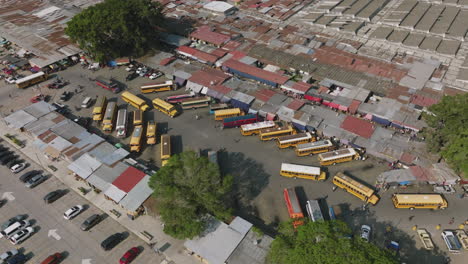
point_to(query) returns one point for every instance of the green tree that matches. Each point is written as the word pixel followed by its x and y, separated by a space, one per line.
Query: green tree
pixel 116 28
pixel 324 243
pixel 187 188
pixel 447 132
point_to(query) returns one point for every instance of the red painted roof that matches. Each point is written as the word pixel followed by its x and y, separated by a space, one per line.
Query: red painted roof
pixel 166 61
pixel 186 49
pixel 358 126
pixel 353 107
pixel 295 105
pixel 205 56
pixel 423 100
pixel 302 86
pixel 257 72
pixel 128 179
pixel 264 94
pixel 204 33
pixel 407 158
pixel 209 77
pixel 219 52
pixel 237 54
pixel 221 89
pixel 232 45
pixel 421 173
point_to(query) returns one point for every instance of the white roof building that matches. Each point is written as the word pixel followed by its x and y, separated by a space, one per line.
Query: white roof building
pixel 220 7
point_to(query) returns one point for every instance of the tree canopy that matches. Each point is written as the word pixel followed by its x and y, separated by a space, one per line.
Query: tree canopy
pixel 187 188
pixel 116 28
pixel 324 242
pixel 447 133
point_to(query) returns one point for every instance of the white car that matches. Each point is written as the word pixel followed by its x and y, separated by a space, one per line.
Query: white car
pixel 155 75
pixel 18 167
pixel 365 232
pixel 129 68
pixel 73 212
pixel 10 80
pixel 21 235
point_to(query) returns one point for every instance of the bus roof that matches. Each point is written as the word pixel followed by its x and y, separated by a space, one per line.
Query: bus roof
pixel 362 188
pixel 419 198
pixel 275 129
pixel 314 211
pixel 137 100
pixel 292 138
pixel 196 99
pixel 151 129
pixel 166 144
pixel 227 111
pixel 316 144
pixel 109 110
pixel 258 125
pixel 136 136
pixel 340 153
pixel 300 168
pixel 121 116
pixel 162 103
pixel 237 118
pixel 292 202
pixel 29 77
pixel 150 85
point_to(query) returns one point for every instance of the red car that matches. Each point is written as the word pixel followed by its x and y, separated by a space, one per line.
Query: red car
pixel 130 255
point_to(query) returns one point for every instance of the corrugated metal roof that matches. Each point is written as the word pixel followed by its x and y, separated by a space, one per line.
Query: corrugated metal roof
pixel 219 240
pixel 108 154
pixel 115 193
pixel 138 195
pixel 19 119
pixel 103 177
pixel 358 126
pixel 84 166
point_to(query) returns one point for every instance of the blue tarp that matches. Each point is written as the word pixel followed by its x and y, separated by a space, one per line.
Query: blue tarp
pixel 380 120
pixel 396 126
pixel 299 126
pixel 245 107
pixel 310 129
pixel 112 63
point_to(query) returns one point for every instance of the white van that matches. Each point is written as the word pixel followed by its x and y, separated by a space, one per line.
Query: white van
pixel 9 231
pixel 86 102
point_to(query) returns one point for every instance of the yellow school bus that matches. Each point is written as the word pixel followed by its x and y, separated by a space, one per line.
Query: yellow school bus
pixel 135 101
pixel 276 132
pixel 355 188
pixel 137 118
pixel 254 128
pixel 100 108
pixel 165 107
pixel 314 147
pixel 293 140
pixel 301 171
pixel 338 156
pixel 31 79
pixel 165 149
pixel 135 141
pixel 109 117
pixel 157 87
pixel 151 133
pixel 419 201
pixel 225 113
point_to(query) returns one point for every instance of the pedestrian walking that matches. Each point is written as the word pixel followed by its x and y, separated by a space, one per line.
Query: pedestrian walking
pixel 411 217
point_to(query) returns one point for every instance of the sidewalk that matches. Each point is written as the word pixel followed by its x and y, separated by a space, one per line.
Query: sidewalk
pixel 173 249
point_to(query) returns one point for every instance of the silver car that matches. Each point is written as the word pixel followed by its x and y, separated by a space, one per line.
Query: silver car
pixel 365 232
pixel 36 180
pixel 7 255
pixel 21 235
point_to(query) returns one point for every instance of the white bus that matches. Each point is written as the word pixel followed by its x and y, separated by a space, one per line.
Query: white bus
pixel 301 171
pixel 254 128
pixel 313 210
pixel 314 147
pixel 293 140
pixel 121 127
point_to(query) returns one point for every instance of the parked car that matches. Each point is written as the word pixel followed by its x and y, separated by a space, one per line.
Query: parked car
pixel 73 212
pixel 17 259
pixel 7 255
pixel 155 75
pixel 36 180
pixel 112 241
pixel 6 159
pixel 131 76
pixel 65 96
pixel 10 80
pixel 90 222
pixel 53 196
pixel 365 232
pixel 28 175
pixel 447 189
pixel 21 235
pixel 53 259
pixel 130 68
pixel 13 162
pixel 11 221
pixel 37 98
pixel 18 167
pixel 130 255
pixel 18 226
pixel 6 153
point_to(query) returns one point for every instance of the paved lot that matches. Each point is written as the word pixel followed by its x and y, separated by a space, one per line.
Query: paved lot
pixel 77 245
pixel 255 166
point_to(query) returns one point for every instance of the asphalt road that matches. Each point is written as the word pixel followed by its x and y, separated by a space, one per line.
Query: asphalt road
pixel 255 166
pixel 66 236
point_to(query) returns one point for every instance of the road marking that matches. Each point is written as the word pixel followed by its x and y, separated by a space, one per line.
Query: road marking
pixel 53 233
pixel 86 261
pixel 9 196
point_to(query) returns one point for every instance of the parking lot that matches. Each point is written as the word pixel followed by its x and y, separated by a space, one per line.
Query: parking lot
pixel 255 166
pixel 53 233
